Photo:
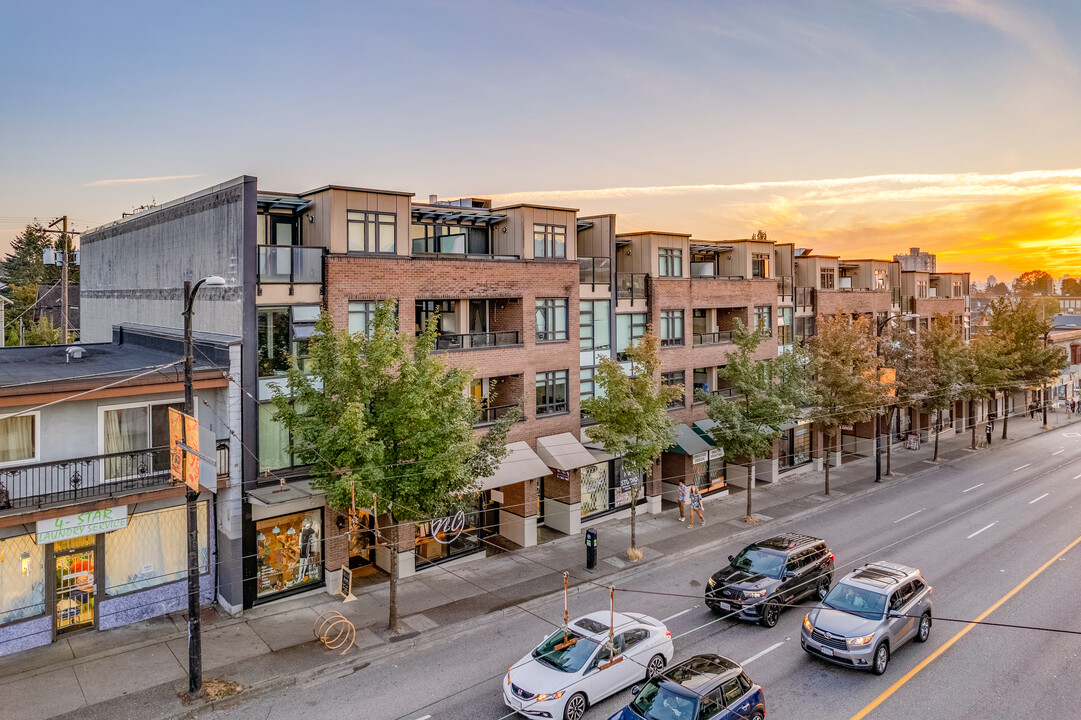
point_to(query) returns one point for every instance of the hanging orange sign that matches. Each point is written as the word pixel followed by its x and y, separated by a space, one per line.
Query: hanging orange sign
pixel 183 465
pixel 176 435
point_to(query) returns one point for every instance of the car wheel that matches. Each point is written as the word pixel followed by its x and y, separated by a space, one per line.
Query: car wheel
pixel 655 666
pixel 575 707
pixel 881 659
pixel 822 587
pixel 757 716
pixel 770 613
pixel 925 628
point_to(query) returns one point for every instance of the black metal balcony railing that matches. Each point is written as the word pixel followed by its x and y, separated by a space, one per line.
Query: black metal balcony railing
pixel 595 271
pixel 631 285
pixel 477 341
pixel 489 415
pixel 290 264
pixel 804 297
pixel 784 287
pixel 713 338
pixel 46 483
pixel 725 392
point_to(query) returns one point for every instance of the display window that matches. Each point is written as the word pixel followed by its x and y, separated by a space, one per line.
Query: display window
pixel 22 578
pixel 362 541
pixel 289 551
pixel 708 469
pixel 459 534
pixel 627 481
pixel 595 488
pixel 153 549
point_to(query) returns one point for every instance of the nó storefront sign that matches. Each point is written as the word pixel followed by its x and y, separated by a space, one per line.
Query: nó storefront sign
pixel 451 527
pixel 90 522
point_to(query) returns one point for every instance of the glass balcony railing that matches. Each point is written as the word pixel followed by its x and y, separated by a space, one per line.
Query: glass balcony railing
pixel 631 285
pixel 477 341
pixel 713 338
pixel 595 271
pixel 288 264
pixel 489 415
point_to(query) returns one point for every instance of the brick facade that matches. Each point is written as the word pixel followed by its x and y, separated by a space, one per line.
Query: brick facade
pixel 852 302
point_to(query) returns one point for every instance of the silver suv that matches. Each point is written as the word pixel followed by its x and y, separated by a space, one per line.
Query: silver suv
pixel 869 614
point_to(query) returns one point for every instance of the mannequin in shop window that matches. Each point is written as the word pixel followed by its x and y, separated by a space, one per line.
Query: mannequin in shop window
pixel 307 539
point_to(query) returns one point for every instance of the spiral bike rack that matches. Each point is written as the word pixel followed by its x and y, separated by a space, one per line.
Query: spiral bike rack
pixel 335 631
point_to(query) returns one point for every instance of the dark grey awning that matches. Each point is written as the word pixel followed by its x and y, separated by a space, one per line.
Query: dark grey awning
pixel 283 493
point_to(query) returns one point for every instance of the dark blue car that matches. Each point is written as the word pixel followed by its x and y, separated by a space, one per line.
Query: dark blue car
pixel 706 687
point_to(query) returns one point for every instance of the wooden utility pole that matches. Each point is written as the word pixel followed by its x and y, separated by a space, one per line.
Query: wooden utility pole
pixel 65 256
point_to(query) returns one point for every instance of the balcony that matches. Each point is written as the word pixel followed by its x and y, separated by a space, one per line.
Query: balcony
pixel 477 341
pixel 805 298
pixel 27 487
pixel 895 296
pixel 784 288
pixel 713 338
pixel 725 393
pixel 631 285
pixel 289 264
pixel 488 415
pixel 595 271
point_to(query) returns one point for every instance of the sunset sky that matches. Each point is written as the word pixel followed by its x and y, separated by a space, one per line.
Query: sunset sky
pixel 859 128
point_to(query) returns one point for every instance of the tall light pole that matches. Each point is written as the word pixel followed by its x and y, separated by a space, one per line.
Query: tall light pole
pixel 195 645
pixel 878 430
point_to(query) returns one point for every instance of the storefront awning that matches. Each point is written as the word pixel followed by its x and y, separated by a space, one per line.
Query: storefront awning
pixel 283 493
pixel 563 452
pixel 687 441
pixel 703 428
pixel 520 464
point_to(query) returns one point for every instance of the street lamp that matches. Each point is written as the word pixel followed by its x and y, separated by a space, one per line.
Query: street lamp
pixel 878 352
pixel 195 654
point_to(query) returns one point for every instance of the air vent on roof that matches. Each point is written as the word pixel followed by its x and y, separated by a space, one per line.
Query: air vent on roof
pixel 75 352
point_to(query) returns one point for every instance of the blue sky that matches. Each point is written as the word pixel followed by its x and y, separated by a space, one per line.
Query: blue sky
pixel 717 118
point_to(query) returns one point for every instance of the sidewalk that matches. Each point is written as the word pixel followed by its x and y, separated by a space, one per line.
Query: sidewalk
pixel 141 670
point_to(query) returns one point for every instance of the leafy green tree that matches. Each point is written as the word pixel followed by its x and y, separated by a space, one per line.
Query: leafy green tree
pixel 900 350
pixel 382 415
pixel 1034 282
pixel 984 366
pixel 42 332
pixel 946 345
pixel 1071 287
pixel 846 381
pixel 631 414
pixel 768 394
pixel 23 270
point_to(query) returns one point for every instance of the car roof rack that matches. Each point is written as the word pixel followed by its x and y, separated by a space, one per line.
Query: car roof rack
pixel 787 541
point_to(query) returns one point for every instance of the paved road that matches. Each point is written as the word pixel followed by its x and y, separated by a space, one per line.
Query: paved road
pixel 977 529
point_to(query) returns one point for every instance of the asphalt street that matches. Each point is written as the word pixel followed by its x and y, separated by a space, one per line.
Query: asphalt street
pixel 977 530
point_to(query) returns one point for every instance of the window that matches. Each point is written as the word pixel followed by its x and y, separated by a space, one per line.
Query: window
pixel 805 328
pixel 152 550
pixel 22 592
pixel 671 327
pixel 129 429
pixel 450 239
pixel 371 232
pixel 633 637
pixel 551 392
pixel 443 310
pixel 670 262
pixel 549 241
pixel 594 328
pixel 732 692
pixel 760 265
pixel 587 387
pixel 278 341
pixel 629 327
pixel 763 317
pixel 784 326
pixel 712 704
pixel 881 281
pixel 551 319
pixel 275 446
pixel 19 438
pixel 678 378
pixel 956 290
pixel 826 278
pixel 921 288
pixel 361 314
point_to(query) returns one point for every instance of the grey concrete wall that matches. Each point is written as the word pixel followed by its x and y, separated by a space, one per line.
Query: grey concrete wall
pixel 133 270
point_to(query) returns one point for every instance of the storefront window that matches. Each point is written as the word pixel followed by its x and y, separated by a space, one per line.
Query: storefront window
pixel 627 481
pixel 457 534
pixel 362 541
pixel 595 488
pixel 708 468
pixel 22 578
pixel 289 550
pixel 153 550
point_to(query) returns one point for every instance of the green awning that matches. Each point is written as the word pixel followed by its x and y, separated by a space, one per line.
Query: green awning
pixel 703 427
pixel 687 441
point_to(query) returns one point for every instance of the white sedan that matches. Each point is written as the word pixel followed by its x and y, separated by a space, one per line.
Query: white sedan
pixel 575 668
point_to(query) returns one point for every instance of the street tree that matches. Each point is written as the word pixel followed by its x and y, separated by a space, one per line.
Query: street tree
pixel 900 350
pixel 767 394
pixel 984 367
pixel 631 413
pixel 946 345
pixel 382 418
pixel 1034 282
pixel 23 269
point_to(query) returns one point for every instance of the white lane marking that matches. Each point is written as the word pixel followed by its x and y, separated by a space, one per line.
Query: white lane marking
pixel 906 517
pixel 424 717
pixel 1077 477
pixel 1060 451
pixel 1022 467
pixel 1039 498
pixel 771 648
pixel 683 612
pixel 972 488
pixel 981 530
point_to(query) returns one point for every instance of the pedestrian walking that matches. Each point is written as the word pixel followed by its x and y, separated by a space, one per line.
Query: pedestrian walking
pixel 990 429
pixel 696 506
pixel 681 498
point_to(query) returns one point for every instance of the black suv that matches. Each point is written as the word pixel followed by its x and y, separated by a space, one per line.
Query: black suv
pixel 769 574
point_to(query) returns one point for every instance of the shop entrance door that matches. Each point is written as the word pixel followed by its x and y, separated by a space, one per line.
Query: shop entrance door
pixel 75 601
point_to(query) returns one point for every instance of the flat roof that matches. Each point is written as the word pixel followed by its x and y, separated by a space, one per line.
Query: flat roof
pixel 350 188
pixel 534 205
pixel 653 232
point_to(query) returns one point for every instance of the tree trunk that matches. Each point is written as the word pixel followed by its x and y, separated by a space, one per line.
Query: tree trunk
pixel 938 429
pixel 1005 413
pixel 392 602
pixel 826 447
pixel 889 440
pixel 750 482
pixel 634 510
pixel 972 420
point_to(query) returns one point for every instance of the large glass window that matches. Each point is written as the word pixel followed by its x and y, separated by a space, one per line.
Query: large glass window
pixel 361 314
pixel 131 429
pixel 629 328
pixel 275 448
pixel 153 550
pixel 596 489
pixel 670 262
pixel 760 265
pixel 450 239
pixel 675 378
pixel 549 241
pixel 445 310
pixel 371 232
pixel 19 438
pixel 289 551
pixel 277 344
pixel 594 328
pixel 551 392
pixel 763 317
pixel 784 326
pixel 671 327
pixel 826 278
pixel 22 579
pixel 921 288
pixel 551 319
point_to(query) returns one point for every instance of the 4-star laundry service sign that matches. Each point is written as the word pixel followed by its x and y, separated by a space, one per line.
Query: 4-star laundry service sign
pixel 90 522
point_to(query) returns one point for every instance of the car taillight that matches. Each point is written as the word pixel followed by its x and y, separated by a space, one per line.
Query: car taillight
pixel 668 633
pixel 831 557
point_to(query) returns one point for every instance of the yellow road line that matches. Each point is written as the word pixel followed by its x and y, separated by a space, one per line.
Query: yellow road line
pixel 909 675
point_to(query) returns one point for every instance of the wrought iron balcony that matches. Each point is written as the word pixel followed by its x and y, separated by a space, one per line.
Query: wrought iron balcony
pixel 36 485
pixel 477 341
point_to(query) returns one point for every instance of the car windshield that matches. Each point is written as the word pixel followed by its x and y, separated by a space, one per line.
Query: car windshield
pixel 557 653
pixel 854 599
pixel 759 561
pixel 659 702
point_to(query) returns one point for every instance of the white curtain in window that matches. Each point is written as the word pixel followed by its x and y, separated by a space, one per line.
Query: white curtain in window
pixel 125 430
pixel 22 578
pixel 152 550
pixel 17 438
